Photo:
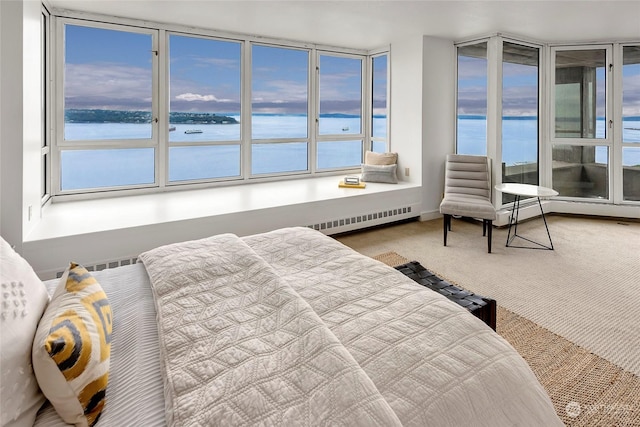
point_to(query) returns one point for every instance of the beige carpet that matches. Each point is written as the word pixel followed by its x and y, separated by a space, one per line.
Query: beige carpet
pixel 587 290
pixel 585 389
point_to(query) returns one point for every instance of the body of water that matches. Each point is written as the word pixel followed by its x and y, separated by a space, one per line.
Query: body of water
pixel 127 166
pixel 519 136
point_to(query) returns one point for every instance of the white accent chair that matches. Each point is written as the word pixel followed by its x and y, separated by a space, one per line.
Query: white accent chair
pixel 467 192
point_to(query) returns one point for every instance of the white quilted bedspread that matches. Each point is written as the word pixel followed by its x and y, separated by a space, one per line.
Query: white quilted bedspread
pixel 293 328
pixel 434 363
pixel 240 347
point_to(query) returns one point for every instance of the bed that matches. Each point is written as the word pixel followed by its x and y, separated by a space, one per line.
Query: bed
pixel 291 327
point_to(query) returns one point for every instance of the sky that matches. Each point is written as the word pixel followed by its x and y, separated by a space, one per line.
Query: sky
pixel 111 69
pixel 520 90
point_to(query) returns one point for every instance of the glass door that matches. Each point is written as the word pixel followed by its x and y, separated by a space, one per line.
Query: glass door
pixel 581 138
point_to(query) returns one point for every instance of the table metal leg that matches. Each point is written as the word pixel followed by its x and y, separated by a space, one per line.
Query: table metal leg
pixel 545 225
pixel 513 222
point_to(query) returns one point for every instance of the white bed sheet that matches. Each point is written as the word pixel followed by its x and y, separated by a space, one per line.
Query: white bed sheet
pixel 134 394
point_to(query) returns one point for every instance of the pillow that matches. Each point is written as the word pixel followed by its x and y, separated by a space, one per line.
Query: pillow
pixel 381 173
pixel 373 158
pixel 24 299
pixel 72 347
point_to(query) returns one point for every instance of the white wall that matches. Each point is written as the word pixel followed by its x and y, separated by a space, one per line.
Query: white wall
pixel 406 106
pixel 32 121
pixel 11 121
pixel 20 133
pixel 423 113
pixel 438 119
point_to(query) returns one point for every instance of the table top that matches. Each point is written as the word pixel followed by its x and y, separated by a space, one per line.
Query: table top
pixel 528 190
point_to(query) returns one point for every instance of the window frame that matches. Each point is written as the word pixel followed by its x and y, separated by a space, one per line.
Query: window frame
pixel 164 136
pixel 160 34
pixel 45 99
pixel 59 111
pixel 487 41
pixel 619 143
pixel 369 143
pixel 540 116
pixel 610 120
pixel 365 123
pixel 249 141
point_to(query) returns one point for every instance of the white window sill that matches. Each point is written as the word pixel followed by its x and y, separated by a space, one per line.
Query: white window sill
pixel 73 218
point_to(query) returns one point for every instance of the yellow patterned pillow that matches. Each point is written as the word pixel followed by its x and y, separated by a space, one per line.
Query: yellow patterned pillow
pixel 72 347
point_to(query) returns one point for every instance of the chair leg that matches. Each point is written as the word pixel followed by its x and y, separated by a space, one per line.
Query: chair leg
pixel 484 227
pixel 490 224
pixel 446 220
pixel 444 228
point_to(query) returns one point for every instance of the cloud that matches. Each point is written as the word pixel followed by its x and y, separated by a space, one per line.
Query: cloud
pixel 197 97
pixel 103 85
pixel 280 107
pixel 631 95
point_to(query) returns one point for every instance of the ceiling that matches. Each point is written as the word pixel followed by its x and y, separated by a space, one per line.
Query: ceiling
pixel 372 24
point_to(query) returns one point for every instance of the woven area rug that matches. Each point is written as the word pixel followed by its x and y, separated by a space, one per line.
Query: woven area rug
pixel 586 389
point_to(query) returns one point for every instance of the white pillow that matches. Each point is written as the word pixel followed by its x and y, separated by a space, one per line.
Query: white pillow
pixel 24 298
pixel 379 173
pixel 373 158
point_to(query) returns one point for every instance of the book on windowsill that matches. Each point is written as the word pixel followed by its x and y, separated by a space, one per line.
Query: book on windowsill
pixel 342 184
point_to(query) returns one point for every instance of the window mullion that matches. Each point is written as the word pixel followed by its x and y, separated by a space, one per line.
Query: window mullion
pixel 56 104
pixel 494 111
pixel 617 117
pixel 161 106
pixel 246 111
pixel 313 124
pixel 367 104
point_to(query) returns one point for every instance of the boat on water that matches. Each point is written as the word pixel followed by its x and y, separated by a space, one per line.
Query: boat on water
pixel 172 128
pixel 346 128
pixel 193 131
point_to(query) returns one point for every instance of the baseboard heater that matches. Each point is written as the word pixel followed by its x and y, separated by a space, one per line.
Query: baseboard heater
pixel 354 222
pixel 333 226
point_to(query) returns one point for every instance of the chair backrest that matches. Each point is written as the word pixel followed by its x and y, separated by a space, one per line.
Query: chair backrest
pixel 466 174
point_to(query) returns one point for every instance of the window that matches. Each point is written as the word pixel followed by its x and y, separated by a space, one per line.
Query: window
pixel 204 108
pixel 582 144
pixel 379 120
pixel 471 133
pixel 580 93
pixel 631 123
pixel 154 107
pixel 340 133
pixel 519 115
pixel 279 110
pixel 586 145
pixel 107 135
